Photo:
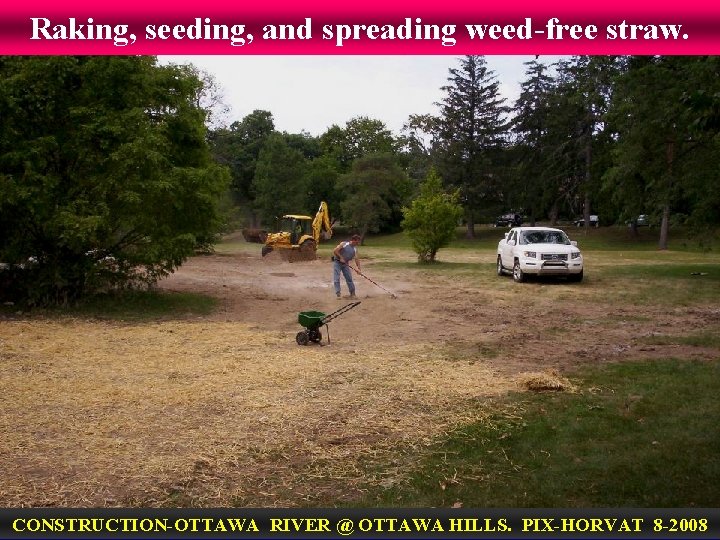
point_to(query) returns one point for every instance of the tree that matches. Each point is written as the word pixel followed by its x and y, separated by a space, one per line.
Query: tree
pixel 375 191
pixel 210 98
pixel 306 144
pixel 592 91
pixel 106 175
pixel 472 131
pixel 416 142
pixel 321 178
pixel 431 219
pixel 279 184
pixel 239 148
pixel 530 125
pixel 661 161
pixel 704 114
pixel 360 137
pixel 575 135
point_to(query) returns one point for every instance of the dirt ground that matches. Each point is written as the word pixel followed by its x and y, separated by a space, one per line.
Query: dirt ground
pixel 428 308
pixel 227 410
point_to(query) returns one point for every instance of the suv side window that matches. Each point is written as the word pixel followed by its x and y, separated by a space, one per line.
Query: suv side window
pixel 513 236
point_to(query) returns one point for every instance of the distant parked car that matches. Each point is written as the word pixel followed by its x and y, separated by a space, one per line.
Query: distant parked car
pixel 540 251
pixel 509 220
pixel 594 221
pixel 640 221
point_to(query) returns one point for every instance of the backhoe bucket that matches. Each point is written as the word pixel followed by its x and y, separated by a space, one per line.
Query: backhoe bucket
pixel 298 255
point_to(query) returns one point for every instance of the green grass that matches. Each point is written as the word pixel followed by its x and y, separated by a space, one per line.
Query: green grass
pixel 704 339
pixel 618 269
pixel 615 238
pixel 668 282
pixel 668 270
pixel 640 434
pixel 136 306
pixel 146 305
pixel 635 435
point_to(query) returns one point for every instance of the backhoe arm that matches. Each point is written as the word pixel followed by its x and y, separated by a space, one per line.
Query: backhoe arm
pixel 321 221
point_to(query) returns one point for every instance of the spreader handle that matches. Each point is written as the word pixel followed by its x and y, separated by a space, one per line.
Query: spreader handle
pixel 339 312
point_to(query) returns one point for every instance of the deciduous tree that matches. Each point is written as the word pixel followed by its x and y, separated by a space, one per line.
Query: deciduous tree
pixel 375 190
pixel 279 184
pixel 238 147
pixel 105 174
pixel 662 164
pixel 432 218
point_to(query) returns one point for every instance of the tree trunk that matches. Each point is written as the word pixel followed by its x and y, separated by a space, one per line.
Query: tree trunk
pixel 665 223
pixel 586 211
pixel 664 228
pixel 253 218
pixel 470 233
pixel 363 231
pixel 588 177
pixel 633 228
pixel 553 214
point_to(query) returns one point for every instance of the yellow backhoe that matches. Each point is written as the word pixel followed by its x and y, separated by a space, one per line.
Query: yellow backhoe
pixel 298 236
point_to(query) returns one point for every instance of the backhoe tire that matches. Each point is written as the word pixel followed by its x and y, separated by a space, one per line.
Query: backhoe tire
pixel 308 247
pixel 306 252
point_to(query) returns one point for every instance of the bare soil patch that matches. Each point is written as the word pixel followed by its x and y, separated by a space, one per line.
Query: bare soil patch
pixel 227 410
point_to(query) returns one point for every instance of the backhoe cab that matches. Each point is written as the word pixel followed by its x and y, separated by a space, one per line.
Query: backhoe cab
pixel 298 236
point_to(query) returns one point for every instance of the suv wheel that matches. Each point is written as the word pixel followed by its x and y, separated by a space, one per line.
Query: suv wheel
pixel 500 269
pixel 518 274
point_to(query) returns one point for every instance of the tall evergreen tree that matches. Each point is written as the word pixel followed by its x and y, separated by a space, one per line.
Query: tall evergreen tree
pixel 593 78
pixel 472 130
pixel 530 125
pixel 569 141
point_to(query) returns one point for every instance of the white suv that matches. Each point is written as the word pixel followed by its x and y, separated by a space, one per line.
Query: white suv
pixel 540 251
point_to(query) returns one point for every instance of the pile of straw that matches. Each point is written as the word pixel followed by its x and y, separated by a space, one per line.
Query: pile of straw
pixel 546 381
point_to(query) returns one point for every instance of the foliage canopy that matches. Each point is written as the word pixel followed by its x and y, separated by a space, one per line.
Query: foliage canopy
pixel 106 178
pixel 376 189
pixel 432 218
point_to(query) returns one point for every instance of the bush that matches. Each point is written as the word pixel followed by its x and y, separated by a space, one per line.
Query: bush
pixel 432 218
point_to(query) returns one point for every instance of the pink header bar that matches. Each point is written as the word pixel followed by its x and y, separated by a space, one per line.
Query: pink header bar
pixel 320 27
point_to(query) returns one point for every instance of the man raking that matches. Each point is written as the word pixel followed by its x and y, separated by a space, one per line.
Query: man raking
pixel 343 253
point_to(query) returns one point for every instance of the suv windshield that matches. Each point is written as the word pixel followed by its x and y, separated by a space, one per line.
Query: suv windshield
pixel 544 237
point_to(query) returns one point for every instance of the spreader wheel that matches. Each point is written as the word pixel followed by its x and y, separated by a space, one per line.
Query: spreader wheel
pixel 315 336
pixel 302 338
